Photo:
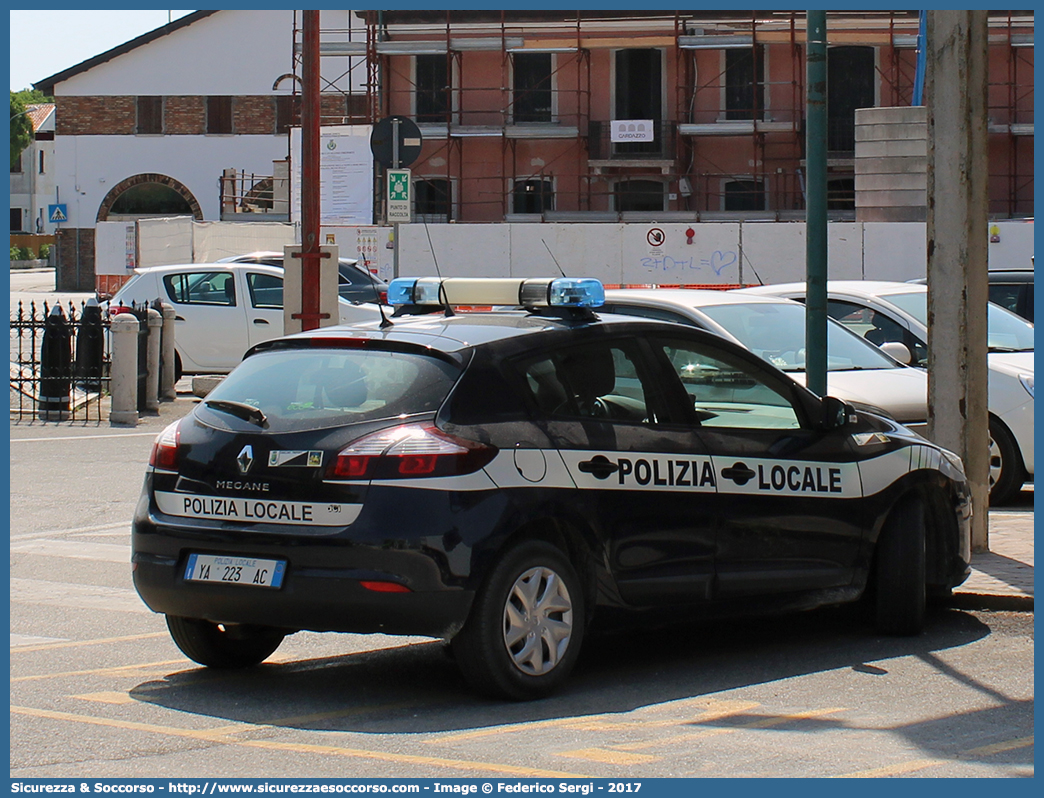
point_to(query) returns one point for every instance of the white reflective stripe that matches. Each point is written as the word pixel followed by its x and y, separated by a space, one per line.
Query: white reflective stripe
pixel 805 478
pixel 257 511
pixel 510 471
pixel 879 472
pixel 640 471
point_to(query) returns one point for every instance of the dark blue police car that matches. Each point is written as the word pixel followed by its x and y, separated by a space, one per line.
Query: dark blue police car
pixel 498 478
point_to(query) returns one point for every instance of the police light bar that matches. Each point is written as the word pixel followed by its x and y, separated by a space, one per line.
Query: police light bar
pixel 563 292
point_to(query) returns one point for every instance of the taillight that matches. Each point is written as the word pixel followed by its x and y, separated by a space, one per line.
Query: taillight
pixel 165 450
pixel 409 451
pixel 382 296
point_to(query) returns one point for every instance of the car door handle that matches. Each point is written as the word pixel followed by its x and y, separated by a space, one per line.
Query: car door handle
pixel 738 473
pixel 179 318
pixel 260 321
pixel 599 466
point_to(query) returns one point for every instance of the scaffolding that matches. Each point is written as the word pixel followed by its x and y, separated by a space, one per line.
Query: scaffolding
pixel 516 107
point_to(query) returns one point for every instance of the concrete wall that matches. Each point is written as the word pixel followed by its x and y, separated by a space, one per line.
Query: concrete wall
pixel 722 254
pixel 891 164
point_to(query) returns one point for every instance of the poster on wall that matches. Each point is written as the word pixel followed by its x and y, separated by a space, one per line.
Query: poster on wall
pixel 345 175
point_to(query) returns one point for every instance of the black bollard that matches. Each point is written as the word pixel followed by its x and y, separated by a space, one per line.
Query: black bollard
pixel 90 346
pixel 55 367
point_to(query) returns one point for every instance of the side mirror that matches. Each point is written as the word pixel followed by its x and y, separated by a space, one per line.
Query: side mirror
pixel 835 413
pixel 897 351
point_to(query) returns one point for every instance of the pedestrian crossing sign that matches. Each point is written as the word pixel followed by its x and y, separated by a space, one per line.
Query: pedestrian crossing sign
pixel 57 213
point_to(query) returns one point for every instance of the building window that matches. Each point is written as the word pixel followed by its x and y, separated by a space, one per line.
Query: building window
pixel 150 115
pixel 745 83
pixel 219 115
pixel 744 195
pixel 531 78
pixel 432 199
pixel 431 88
pixel 850 85
pixel 533 196
pixel 16 220
pixel 639 95
pixel 841 194
pixel 638 195
pixel 41 162
pixel 288 112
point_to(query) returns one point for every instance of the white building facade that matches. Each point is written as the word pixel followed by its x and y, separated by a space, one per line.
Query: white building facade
pixel 32 185
pixel 150 127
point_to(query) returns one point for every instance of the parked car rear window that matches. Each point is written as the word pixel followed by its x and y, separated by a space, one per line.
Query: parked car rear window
pixel 300 389
pixel 201 288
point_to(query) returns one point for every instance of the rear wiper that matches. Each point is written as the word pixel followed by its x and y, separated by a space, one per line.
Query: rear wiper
pixel 240 410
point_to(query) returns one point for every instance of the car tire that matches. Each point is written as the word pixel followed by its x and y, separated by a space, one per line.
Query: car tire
pixel 178 368
pixel 217 646
pixel 1006 470
pixel 526 625
pixel 899 577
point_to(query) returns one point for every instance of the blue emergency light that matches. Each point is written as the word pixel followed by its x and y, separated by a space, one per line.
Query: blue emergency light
pixel 562 292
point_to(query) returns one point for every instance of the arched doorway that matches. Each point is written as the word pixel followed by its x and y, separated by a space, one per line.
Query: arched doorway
pixel 149 195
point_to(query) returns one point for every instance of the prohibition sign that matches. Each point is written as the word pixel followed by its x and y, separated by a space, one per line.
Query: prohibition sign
pixel 655 237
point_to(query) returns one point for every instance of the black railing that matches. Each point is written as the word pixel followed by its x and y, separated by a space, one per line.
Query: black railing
pixel 59 362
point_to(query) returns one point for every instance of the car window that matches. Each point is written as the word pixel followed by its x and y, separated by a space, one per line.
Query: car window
pixel 300 389
pixel 775 331
pixel 597 380
pixel 726 392
pixel 1006 332
pixel 876 327
pixel 1006 295
pixel 266 290
pixel 201 288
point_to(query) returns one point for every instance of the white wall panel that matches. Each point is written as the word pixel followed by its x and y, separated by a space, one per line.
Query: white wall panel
pixel 844 251
pixel 581 250
pixel 773 252
pixel 894 250
pixel 1015 246
pixel 459 250
pixel 713 257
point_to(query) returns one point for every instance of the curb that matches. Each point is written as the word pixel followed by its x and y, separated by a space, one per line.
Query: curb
pixel 991 601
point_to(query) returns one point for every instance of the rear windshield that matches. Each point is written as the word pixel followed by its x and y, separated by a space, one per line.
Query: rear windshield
pixel 301 389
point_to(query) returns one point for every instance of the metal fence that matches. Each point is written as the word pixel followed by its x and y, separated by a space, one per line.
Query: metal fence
pixel 60 365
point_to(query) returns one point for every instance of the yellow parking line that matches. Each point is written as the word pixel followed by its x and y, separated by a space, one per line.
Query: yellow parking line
pixel 107 698
pixel 608 722
pixel 893 770
pixel 921 764
pixel 999 748
pixel 119 670
pixel 763 723
pixel 610 757
pixel 301 748
pixel 77 643
pixel 304 720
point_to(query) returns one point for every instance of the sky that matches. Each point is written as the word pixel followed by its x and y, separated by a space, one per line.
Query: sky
pixel 44 43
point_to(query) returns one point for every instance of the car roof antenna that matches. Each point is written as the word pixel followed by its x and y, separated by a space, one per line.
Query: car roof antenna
pixel 552 254
pixel 442 291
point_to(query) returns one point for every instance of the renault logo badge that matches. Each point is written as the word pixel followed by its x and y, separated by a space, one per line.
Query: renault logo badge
pixel 245 459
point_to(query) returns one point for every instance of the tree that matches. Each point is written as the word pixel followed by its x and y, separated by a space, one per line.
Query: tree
pixel 21 126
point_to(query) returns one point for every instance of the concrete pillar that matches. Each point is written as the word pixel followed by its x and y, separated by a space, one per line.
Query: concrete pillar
pixel 958 170
pixel 166 386
pixel 152 381
pixel 124 411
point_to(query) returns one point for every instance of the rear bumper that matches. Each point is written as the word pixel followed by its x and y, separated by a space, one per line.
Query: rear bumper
pixel 321 590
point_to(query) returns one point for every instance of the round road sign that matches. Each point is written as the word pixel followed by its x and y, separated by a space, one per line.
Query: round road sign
pixel 384 136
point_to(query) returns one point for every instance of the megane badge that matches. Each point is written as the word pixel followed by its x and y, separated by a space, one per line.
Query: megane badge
pixel 245 459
